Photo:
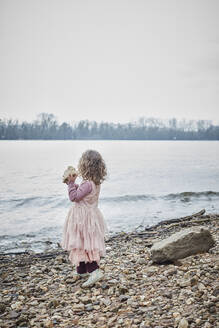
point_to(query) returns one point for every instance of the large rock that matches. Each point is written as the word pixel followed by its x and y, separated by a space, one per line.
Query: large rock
pixel 182 244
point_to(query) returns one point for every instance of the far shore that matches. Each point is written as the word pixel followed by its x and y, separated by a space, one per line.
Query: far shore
pixel 90 139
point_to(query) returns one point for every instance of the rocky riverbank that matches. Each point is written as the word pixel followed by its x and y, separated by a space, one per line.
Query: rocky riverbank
pixel 42 290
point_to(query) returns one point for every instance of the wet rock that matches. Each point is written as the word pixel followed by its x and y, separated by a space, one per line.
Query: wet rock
pixel 182 244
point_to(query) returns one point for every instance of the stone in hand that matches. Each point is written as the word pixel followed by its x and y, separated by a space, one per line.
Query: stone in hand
pixel 69 171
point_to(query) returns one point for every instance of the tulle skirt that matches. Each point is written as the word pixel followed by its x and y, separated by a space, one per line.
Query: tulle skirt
pixel 83 234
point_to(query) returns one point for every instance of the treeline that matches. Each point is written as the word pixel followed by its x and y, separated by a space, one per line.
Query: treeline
pixel 47 127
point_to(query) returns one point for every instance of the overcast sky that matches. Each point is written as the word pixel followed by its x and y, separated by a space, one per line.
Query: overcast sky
pixel 110 60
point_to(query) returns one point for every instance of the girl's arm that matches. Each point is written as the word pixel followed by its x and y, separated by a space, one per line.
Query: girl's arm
pixel 76 193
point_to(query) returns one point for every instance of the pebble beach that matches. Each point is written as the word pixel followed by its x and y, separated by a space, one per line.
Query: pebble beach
pixel 43 290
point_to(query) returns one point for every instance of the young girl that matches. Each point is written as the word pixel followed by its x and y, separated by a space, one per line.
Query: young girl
pixel 84 227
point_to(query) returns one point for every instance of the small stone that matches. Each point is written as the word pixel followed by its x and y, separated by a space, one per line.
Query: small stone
pixel 193 281
pixel 171 272
pixel 102 319
pixel 22 321
pixel 85 299
pixel 89 307
pixel 151 271
pixel 2 308
pixel 110 291
pixel 212 309
pixel 16 305
pixel 34 303
pixel 112 281
pixel 78 307
pixel 168 295
pixel 111 320
pixel 53 303
pixel 189 301
pixel 48 324
pixel 216 291
pixel 14 315
pixel 57 317
pixel 143 309
pixel 141 261
pixel 184 283
pixel 105 286
pixel 123 298
pixel 106 301
pixel 96 307
pixel 21 297
pixel 183 323
pixel 123 289
pixel 176 314
pixel 201 287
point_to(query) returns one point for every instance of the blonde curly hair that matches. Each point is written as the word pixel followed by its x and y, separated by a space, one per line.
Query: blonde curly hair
pixel 92 167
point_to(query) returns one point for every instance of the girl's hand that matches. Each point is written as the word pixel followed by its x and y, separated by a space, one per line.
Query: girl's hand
pixel 72 178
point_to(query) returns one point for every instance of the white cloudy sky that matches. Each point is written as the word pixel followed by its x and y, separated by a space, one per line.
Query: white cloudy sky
pixel 111 60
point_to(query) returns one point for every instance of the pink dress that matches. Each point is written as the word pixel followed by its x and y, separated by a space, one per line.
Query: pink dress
pixel 85 227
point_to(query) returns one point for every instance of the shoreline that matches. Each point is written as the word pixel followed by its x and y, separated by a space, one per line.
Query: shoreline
pixel 51 247
pixel 42 290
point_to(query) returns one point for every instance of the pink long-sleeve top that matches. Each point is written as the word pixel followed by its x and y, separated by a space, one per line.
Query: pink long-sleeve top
pixel 76 192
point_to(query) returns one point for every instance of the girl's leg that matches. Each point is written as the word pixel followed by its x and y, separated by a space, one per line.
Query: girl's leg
pixel 92 266
pixel 82 268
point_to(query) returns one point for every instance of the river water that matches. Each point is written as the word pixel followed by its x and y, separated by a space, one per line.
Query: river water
pixel 148 181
